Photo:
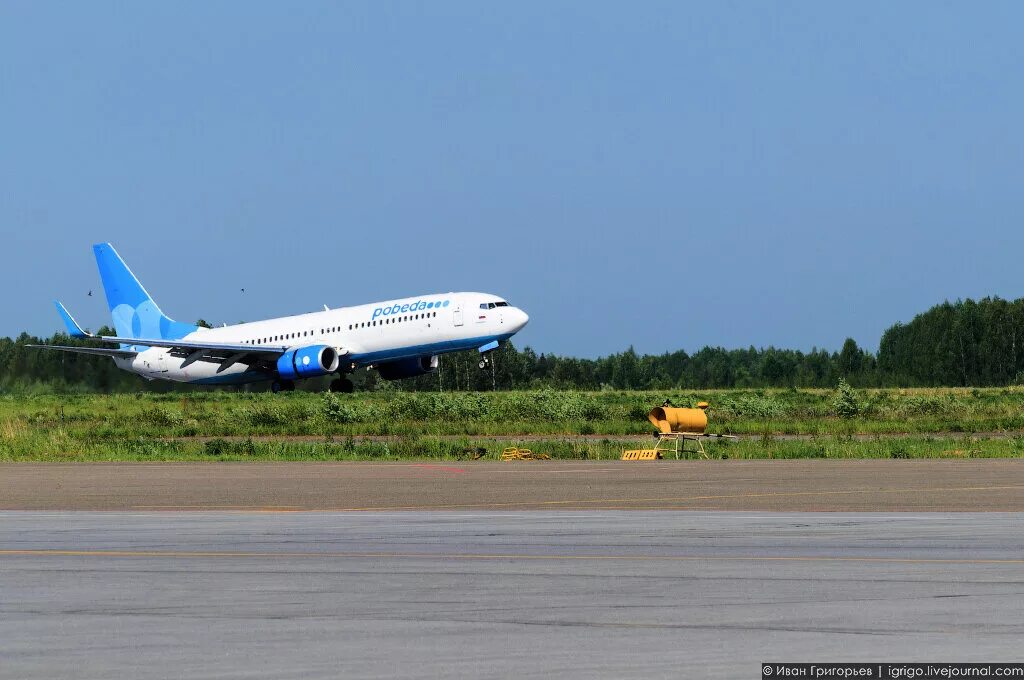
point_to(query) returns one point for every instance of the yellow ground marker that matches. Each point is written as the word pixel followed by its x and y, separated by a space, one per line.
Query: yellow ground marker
pixel 641 454
pixel 516 453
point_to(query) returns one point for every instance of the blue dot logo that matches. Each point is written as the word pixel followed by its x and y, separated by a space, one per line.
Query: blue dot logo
pixel 430 305
pixel 445 303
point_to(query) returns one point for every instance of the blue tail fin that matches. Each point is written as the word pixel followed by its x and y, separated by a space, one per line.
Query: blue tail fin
pixel 135 313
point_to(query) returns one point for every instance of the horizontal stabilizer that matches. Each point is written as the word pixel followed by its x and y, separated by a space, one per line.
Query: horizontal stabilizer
pixel 74 330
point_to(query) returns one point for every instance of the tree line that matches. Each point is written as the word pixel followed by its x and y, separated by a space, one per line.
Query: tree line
pixel 964 343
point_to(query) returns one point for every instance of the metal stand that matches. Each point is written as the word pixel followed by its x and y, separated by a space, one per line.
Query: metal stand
pixel 674 443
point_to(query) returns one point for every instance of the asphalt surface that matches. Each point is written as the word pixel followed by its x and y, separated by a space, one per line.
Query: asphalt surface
pixel 500 594
pixel 763 485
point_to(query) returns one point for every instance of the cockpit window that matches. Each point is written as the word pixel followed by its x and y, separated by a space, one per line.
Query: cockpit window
pixel 501 304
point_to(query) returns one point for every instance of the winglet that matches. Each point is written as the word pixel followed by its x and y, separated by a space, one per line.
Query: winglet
pixel 74 330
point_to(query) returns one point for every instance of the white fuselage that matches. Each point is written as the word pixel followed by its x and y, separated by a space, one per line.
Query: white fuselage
pixel 364 335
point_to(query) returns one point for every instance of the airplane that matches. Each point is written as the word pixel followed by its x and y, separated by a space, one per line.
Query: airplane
pixel 399 338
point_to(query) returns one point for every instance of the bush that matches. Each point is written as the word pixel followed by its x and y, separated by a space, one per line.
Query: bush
pixel 164 417
pixel 333 410
pixel 916 405
pixel 750 406
pixel 275 410
pixel 844 403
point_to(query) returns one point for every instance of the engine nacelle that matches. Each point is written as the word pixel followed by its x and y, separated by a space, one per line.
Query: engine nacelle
pixel 308 362
pixel 407 368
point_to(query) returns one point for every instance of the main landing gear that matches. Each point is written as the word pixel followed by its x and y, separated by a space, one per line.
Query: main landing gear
pixel 485 361
pixel 343 385
pixel 279 386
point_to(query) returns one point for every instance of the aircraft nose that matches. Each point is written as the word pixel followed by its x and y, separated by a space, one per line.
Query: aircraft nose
pixel 522 318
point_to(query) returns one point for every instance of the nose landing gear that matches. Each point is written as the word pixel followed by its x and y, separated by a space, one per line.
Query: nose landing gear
pixel 485 354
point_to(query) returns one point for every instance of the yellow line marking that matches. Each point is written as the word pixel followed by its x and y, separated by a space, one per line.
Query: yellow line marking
pixel 498 556
pixel 250 508
pixel 683 499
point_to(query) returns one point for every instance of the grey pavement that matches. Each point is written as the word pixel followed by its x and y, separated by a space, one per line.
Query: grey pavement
pixel 500 594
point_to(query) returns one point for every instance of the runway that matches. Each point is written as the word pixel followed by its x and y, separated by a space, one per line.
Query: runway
pixel 761 485
pixel 500 594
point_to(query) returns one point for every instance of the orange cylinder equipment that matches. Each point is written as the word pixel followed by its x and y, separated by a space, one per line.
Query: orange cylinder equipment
pixel 668 419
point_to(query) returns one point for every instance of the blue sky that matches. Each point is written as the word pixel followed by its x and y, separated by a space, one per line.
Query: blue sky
pixel 662 175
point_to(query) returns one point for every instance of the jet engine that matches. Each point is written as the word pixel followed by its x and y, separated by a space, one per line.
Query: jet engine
pixel 407 368
pixel 307 362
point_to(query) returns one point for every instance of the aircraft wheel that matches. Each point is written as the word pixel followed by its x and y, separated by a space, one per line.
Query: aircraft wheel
pixel 279 386
pixel 342 385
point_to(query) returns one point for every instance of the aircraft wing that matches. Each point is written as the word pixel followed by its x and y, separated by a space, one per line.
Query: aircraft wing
pixel 102 351
pixel 263 357
pixel 193 345
pixel 226 354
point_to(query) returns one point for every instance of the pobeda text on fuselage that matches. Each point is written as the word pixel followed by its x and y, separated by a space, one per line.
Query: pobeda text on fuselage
pixel 400 338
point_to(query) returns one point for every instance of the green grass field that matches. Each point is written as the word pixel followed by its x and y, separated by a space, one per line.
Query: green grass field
pixel 586 425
